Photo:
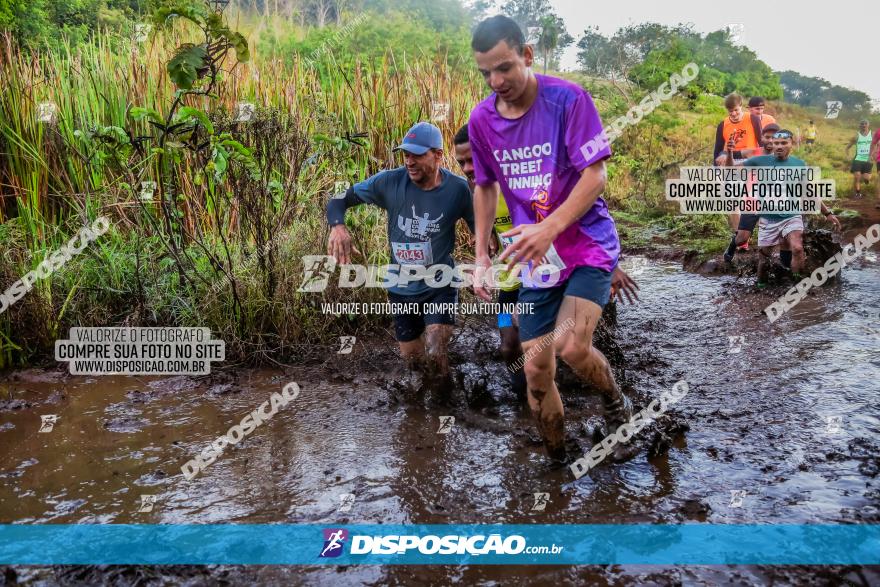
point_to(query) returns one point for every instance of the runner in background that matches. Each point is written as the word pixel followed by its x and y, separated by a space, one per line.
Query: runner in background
pixel 747 222
pixel 774 229
pixel 875 155
pixel 508 324
pixel 810 135
pixel 861 163
pixel 756 108
pixel 740 135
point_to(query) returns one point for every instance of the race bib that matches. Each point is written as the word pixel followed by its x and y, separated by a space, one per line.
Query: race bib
pixel 551 258
pixel 413 253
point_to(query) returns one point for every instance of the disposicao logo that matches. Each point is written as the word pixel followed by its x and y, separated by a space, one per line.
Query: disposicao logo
pixel 333 542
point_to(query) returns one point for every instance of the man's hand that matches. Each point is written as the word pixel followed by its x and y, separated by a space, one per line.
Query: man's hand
pixel 339 245
pixel 532 246
pixel 731 141
pixel 623 283
pixel 482 265
pixel 834 220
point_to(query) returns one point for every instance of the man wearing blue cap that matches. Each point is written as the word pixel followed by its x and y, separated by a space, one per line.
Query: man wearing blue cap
pixel 424 202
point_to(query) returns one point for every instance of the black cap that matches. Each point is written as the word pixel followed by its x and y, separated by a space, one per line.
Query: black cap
pixel 756 101
pixel 770 128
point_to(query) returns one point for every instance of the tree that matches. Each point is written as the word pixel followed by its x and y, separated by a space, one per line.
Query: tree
pixel 553 36
pixel 816 91
pixel 596 55
pixel 527 13
pixel 647 54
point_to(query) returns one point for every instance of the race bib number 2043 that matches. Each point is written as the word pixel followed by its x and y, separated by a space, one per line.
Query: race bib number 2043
pixel 413 253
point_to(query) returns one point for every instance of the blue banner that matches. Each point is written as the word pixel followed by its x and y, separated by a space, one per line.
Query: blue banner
pixel 569 544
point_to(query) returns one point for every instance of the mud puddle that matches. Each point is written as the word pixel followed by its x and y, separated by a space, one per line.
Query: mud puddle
pixel 782 425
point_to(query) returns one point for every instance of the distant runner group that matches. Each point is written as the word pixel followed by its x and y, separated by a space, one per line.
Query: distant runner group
pixel 757 140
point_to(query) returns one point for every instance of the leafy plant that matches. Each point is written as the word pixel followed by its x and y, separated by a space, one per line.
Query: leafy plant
pixel 183 133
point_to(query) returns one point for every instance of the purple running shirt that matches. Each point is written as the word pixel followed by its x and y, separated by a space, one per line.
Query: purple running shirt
pixel 537 159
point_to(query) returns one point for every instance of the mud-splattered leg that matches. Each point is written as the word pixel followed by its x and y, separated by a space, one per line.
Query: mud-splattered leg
pixel 437 342
pixel 543 396
pixel 576 323
pixel 511 352
pixel 795 240
pixel 413 353
pixel 764 263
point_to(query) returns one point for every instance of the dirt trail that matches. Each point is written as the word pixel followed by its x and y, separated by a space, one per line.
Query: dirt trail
pixel 756 420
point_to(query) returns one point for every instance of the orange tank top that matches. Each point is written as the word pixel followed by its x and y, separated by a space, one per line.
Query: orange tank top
pixel 745 130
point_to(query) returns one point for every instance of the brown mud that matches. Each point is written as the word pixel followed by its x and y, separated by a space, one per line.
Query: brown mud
pixel 788 414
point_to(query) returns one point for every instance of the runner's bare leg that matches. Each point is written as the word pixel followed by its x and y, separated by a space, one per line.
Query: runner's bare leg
pixel 543 396
pixel 575 346
pixel 795 241
pixel 437 342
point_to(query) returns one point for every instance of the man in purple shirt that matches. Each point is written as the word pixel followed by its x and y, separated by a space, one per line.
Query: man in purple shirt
pixel 534 138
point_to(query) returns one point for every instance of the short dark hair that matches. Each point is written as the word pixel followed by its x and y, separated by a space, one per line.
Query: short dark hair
pixel 756 101
pixel 461 137
pixel 495 29
pixel 732 100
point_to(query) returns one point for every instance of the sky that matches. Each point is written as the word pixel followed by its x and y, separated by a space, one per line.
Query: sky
pixel 837 41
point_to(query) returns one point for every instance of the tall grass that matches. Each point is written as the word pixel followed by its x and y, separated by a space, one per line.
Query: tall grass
pixel 52 185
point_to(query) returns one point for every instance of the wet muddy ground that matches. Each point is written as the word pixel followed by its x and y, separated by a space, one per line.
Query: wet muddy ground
pixel 781 425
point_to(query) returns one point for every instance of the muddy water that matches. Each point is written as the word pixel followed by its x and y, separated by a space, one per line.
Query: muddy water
pixel 789 414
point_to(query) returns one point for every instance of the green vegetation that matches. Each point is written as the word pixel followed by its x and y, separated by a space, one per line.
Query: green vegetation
pixel 50 23
pixel 815 91
pixel 647 54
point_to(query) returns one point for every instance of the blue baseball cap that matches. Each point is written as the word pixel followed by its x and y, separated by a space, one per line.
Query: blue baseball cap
pixel 421 138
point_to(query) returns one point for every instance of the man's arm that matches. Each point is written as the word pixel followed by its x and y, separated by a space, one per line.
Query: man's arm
pixel 467 212
pixel 728 160
pixel 339 244
pixel 535 239
pixel 371 191
pixel 485 206
pixel 719 141
pixel 485 202
pixel 829 215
